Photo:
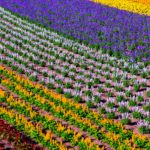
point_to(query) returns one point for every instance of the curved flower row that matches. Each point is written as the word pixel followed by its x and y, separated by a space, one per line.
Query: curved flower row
pixel 106 122
pixel 136 6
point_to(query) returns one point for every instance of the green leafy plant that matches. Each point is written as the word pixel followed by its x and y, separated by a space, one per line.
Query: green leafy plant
pixel 45 74
pixel 110 104
pixel 88 93
pixel 132 103
pixel 102 110
pixel 90 84
pixel 101 90
pixel 125 121
pixel 97 99
pixel 148 93
pixel 110 115
pixel 68 85
pixel 144 130
pixel 20 70
pixel 108 85
pixel 97 81
pixel 140 98
pixel 109 94
pixel 128 93
pixel 90 104
pixel 120 98
pixel 137 115
pixel 136 87
pixel 77 98
pixel 146 108
pixel 33 78
pixel 68 95
pixel 50 85
pixel 123 109
pixel 119 88
pixel 59 90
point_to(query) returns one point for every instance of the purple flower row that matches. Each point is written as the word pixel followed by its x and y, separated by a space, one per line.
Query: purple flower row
pixel 111 28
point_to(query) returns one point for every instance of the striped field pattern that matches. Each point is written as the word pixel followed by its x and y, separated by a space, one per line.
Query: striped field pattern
pixel 75 75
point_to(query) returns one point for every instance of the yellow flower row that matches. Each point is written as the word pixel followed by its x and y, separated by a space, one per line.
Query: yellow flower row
pixel 66 113
pixel 128 5
pixel 2 93
pixel 142 1
pixel 60 127
pixel 28 126
pixel 53 94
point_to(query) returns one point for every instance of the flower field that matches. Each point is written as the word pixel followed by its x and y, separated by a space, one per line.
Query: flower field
pixel 77 78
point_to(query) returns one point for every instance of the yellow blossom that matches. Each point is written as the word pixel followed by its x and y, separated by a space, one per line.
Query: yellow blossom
pixel 136 6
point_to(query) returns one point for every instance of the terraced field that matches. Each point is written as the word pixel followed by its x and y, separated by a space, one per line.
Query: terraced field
pixel 56 93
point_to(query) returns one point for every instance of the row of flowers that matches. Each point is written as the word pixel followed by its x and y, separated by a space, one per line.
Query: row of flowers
pixel 22 124
pixel 108 124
